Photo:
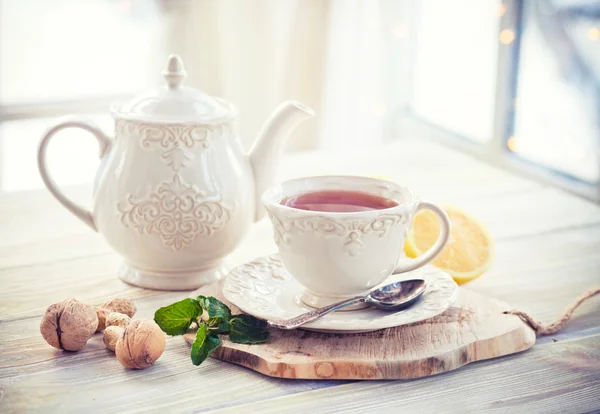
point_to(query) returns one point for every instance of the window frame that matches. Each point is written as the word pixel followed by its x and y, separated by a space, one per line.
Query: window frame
pixel 495 151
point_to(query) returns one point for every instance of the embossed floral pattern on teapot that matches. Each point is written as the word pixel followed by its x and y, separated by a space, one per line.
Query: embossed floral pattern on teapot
pixel 175 192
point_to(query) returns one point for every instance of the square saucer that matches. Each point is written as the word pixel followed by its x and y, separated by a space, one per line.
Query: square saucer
pixel 265 289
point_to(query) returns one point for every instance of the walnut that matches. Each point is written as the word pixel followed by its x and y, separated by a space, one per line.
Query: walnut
pixel 111 336
pixel 141 343
pixel 117 319
pixel 68 324
pixel 120 305
pixel 102 314
pixel 124 306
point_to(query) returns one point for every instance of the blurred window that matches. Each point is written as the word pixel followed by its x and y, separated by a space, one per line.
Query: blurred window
pixel 519 78
pixel 517 81
pixel 68 56
pixel 557 99
pixel 456 44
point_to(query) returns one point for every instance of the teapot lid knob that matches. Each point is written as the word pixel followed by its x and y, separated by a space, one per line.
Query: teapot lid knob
pixel 175 73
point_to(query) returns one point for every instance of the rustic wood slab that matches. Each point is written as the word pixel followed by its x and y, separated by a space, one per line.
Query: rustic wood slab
pixel 472 329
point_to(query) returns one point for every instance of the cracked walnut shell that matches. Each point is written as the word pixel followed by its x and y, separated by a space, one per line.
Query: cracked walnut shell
pixel 141 343
pixel 124 306
pixel 102 315
pixel 111 336
pixel 69 324
pixel 117 319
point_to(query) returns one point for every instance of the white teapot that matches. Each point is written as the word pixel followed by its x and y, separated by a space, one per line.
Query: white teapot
pixel 175 193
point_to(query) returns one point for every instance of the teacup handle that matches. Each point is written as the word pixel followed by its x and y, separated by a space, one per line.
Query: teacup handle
pixel 406 265
pixel 103 141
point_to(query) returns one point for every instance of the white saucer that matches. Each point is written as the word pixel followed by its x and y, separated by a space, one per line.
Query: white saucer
pixel 264 288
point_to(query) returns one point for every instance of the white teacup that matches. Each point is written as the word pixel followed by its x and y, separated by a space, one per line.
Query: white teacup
pixel 338 255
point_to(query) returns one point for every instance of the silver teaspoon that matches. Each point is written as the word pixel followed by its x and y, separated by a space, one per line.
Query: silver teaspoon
pixel 395 296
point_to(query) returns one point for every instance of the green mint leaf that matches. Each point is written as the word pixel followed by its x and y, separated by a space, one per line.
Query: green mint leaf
pixel 246 329
pixel 204 344
pixel 176 318
pixel 213 322
pixel 224 327
pixel 214 307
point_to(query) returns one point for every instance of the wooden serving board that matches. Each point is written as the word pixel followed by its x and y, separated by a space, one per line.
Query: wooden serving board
pixel 472 329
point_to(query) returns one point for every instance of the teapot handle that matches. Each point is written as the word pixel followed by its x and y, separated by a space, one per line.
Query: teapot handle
pixel 104 143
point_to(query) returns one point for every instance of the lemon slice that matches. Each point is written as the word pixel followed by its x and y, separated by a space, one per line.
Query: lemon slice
pixel 469 252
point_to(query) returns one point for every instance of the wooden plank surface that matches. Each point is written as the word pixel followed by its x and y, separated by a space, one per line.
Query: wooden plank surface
pixel 548 252
pixel 557 377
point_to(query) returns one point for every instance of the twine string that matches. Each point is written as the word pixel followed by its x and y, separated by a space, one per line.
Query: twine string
pixel 541 329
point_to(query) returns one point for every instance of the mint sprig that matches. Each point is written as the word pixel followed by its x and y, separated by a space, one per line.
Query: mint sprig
pixel 179 317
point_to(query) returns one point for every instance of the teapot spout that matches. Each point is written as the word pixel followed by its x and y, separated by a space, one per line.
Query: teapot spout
pixel 268 146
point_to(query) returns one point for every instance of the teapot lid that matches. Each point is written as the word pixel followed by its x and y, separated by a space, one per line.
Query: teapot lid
pixel 175 102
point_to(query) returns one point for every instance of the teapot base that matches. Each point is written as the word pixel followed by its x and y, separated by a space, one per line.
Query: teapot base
pixel 172 280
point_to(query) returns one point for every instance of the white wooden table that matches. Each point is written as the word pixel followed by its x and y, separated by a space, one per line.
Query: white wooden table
pixel 548 253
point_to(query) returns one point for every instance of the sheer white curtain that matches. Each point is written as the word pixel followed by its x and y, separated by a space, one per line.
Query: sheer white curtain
pixel 258 53
pixel 352 99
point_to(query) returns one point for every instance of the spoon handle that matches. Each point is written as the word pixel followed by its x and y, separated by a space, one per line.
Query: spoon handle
pixel 315 314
